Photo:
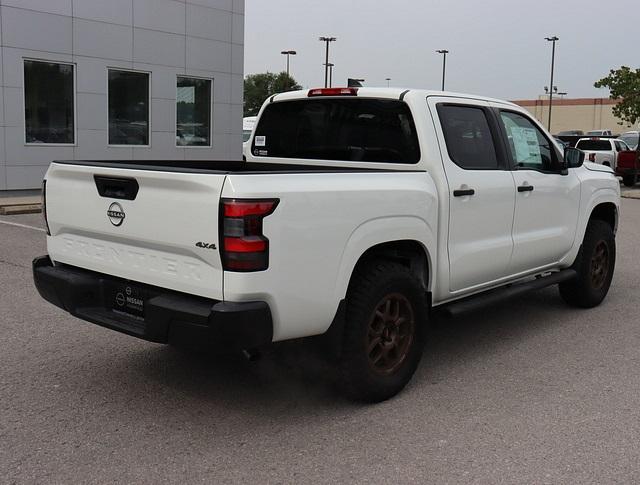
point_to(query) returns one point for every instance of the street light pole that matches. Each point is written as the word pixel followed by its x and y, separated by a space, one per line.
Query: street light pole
pixel 553 40
pixel 288 54
pixel 331 66
pixel 388 79
pixel 328 41
pixel 444 53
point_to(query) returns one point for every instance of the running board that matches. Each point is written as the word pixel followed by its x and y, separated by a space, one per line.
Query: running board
pixel 490 297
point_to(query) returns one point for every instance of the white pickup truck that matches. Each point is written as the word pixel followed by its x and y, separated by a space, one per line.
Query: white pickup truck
pixel 604 151
pixel 357 212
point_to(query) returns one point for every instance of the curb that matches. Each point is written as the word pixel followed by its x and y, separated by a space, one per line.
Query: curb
pixel 14 210
pixel 630 194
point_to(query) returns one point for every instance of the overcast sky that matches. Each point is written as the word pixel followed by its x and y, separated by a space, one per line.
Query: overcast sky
pixel 497 46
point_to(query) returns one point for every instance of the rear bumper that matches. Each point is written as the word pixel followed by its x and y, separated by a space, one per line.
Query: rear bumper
pixel 169 316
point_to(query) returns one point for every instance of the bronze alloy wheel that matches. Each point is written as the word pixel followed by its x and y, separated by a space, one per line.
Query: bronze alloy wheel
pixel 391 333
pixel 600 265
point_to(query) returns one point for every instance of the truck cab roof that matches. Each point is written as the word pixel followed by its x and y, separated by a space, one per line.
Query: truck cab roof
pixel 374 92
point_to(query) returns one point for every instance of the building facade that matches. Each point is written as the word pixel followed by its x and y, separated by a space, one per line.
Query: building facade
pixel 118 80
pixel 584 114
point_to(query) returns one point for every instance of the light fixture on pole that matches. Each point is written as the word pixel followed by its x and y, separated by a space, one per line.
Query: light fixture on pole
pixel 553 40
pixel 388 79
pixel 327 40
pixel 444 53
pixel 288 54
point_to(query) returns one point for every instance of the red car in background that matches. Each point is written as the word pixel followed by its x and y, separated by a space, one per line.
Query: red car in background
pixel 628 167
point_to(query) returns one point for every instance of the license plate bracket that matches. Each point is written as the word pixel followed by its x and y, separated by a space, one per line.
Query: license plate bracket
pixel 129 300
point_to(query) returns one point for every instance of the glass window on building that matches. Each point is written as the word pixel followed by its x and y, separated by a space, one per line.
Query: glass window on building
pixel 193 121
pixel 128 108
pixel 49 111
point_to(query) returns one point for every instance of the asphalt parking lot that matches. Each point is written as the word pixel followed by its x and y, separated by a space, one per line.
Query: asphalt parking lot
pixel 528 391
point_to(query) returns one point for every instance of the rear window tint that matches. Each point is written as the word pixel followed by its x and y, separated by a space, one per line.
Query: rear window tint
pixel 355 130
pixel 594 145
pixel 468 137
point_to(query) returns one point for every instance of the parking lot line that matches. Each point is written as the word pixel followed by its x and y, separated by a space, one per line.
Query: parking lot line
pixel 25 226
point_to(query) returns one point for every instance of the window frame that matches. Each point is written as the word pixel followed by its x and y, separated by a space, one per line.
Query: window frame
pixel 75 103
pixel 494 129
pixel 137 71
pixel 559 157
pixel 175 131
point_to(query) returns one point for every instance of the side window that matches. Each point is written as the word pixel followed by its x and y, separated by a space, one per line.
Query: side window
pixel 527 145
pixel 468 137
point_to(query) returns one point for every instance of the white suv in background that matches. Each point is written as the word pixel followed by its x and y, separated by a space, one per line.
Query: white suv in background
pixel 248 124
pixel 631 138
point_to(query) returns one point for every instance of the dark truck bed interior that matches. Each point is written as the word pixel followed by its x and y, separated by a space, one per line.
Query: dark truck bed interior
pixel 221 167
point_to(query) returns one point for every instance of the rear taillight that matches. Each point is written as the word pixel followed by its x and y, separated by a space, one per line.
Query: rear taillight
pixel 592 157
pixel 44 206
pixel 243 246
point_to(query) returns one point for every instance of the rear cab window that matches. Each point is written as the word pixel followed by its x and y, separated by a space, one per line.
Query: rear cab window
pixel 594 145
pixel 338 129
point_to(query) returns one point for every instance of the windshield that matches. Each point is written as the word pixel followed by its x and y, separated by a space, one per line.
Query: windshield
pixel 594 145
pixel 354 129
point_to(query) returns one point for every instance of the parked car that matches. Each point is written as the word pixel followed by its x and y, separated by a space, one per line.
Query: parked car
pixel 629 167
pixel 599 133
pixel 571 133
pixel 357 212
pixel 631 138
pixel 602 150
pixel 561 143
pixel 248 124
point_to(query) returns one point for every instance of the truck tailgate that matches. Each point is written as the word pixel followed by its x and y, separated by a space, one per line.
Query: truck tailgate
pixel 164 235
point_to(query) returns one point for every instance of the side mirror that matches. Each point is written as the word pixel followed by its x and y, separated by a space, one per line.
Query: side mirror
pixel 573 158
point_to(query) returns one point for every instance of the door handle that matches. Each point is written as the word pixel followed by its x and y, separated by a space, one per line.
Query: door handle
pixel 464 193
pixel 525 188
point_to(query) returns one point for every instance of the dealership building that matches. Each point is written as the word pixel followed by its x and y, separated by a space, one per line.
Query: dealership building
pixel 118 80
pixel 583 114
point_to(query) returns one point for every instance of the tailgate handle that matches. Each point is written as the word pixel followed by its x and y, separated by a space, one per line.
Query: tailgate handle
pixel 116 187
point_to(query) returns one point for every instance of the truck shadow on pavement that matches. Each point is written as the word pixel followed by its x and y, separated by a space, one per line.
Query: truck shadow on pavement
pixel 291 377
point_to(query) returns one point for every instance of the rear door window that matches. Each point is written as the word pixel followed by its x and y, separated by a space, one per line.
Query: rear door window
pixel 356 130
pixel 468 137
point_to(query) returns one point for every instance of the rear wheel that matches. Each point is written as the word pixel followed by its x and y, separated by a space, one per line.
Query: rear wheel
pixel 384 332
pixel 595 266
pixel 630 180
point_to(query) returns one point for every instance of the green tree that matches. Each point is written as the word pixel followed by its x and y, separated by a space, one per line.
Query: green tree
pixel 624 84
pixel 258 87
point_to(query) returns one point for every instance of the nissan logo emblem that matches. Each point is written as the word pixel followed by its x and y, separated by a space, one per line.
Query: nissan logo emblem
pixel 116 214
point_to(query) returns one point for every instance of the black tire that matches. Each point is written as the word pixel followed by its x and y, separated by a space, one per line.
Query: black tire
pixel 629 180
pixel 384 332
pixel 595 266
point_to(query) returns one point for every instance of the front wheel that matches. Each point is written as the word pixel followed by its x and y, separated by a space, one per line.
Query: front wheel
pixel 629 180
pixel 595 266
pixel 384 332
